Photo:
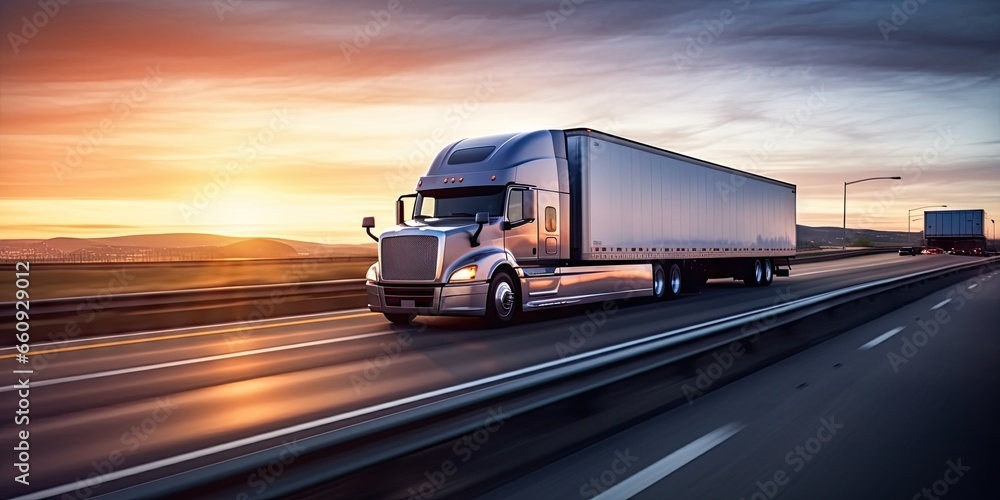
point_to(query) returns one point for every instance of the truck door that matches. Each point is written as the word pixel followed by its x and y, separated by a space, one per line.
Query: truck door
pixel 548 224
pixel 521 226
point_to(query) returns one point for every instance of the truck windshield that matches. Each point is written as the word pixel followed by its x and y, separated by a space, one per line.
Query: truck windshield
pixel 459 202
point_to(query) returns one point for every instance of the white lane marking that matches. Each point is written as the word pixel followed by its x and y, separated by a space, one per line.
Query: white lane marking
pixel 670 463
pixel 974 285
pixel 941 304
pixel 881 338
pixel 263 323
pixel 206 359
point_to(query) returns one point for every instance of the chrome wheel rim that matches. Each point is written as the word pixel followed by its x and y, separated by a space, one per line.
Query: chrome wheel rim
pixel 504 299
pixel 768 272
pixel 757 271
pixel 675 280
pixel 659 282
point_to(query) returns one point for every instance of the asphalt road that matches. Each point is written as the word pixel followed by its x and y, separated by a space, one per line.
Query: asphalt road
pixel 111 404
pixel 902 407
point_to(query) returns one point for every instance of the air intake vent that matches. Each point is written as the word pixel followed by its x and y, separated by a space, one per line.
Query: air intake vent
pixel 409 258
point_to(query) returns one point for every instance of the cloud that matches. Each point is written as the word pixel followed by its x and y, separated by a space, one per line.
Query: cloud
pixel 751 67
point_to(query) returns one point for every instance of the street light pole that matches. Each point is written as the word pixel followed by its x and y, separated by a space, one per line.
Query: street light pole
pixel 908 239
pixel 845 199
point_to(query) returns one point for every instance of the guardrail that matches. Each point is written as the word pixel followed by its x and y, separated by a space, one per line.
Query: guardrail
pixel 116 313
pixel 124 312
pixel 821 256
pixel 549 409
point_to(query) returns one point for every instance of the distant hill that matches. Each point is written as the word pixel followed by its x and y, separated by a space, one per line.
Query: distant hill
pixel 172 247
pixel 257 248
pixel 70 244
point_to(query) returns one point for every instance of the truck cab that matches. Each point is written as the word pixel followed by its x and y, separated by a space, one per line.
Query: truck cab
pixel 486 208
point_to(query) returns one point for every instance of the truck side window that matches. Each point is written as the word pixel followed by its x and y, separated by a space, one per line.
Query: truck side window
pixel 514 212
pixel 550 219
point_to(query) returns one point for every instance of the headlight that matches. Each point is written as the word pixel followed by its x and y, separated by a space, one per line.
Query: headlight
pixel 464 274
pixel 372 274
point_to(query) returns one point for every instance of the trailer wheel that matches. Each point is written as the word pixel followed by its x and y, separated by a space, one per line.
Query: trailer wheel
pixel 755 274
pixel 659 282
pixel 675 281
pixel 502 300
pixel 399 318
pixel 768 273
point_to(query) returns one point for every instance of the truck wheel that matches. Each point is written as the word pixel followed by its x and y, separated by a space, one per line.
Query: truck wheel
pixel 755 274
pixel 399 318
pixel 501 302
pixel 768 273
pixel 659 282
pixel 675 281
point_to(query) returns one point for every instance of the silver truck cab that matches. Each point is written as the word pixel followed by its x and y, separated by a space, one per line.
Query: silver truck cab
pixel 487 207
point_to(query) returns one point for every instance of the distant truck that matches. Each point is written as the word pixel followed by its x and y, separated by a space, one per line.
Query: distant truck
pixel 530 221
pixel 962 232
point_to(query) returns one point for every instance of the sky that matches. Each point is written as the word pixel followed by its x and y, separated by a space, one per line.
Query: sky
pixel 297 118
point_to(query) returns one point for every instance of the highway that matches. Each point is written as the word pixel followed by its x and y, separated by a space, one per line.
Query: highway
pixel 161 402
pixel 864 415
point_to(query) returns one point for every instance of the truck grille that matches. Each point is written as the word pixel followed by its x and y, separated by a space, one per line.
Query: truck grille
pixel 409 258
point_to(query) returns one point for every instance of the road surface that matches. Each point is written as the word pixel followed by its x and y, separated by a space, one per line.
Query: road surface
pixel 182 398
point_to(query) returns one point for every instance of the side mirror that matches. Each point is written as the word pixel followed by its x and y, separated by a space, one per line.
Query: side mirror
pixel 399 212
pixel 481 219
pixel 368 223
pixel 528 206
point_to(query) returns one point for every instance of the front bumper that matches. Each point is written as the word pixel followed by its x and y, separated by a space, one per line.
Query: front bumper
pixel 466 299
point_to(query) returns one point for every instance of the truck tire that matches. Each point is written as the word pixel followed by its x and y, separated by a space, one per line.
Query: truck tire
pixel 675 281
pixel 399 318
pixel 502 300
pixel 659 282
pixel 754 273
pixel 768 273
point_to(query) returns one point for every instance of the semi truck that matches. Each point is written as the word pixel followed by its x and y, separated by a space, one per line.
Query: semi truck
pixel 961 232
pixel 506 224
